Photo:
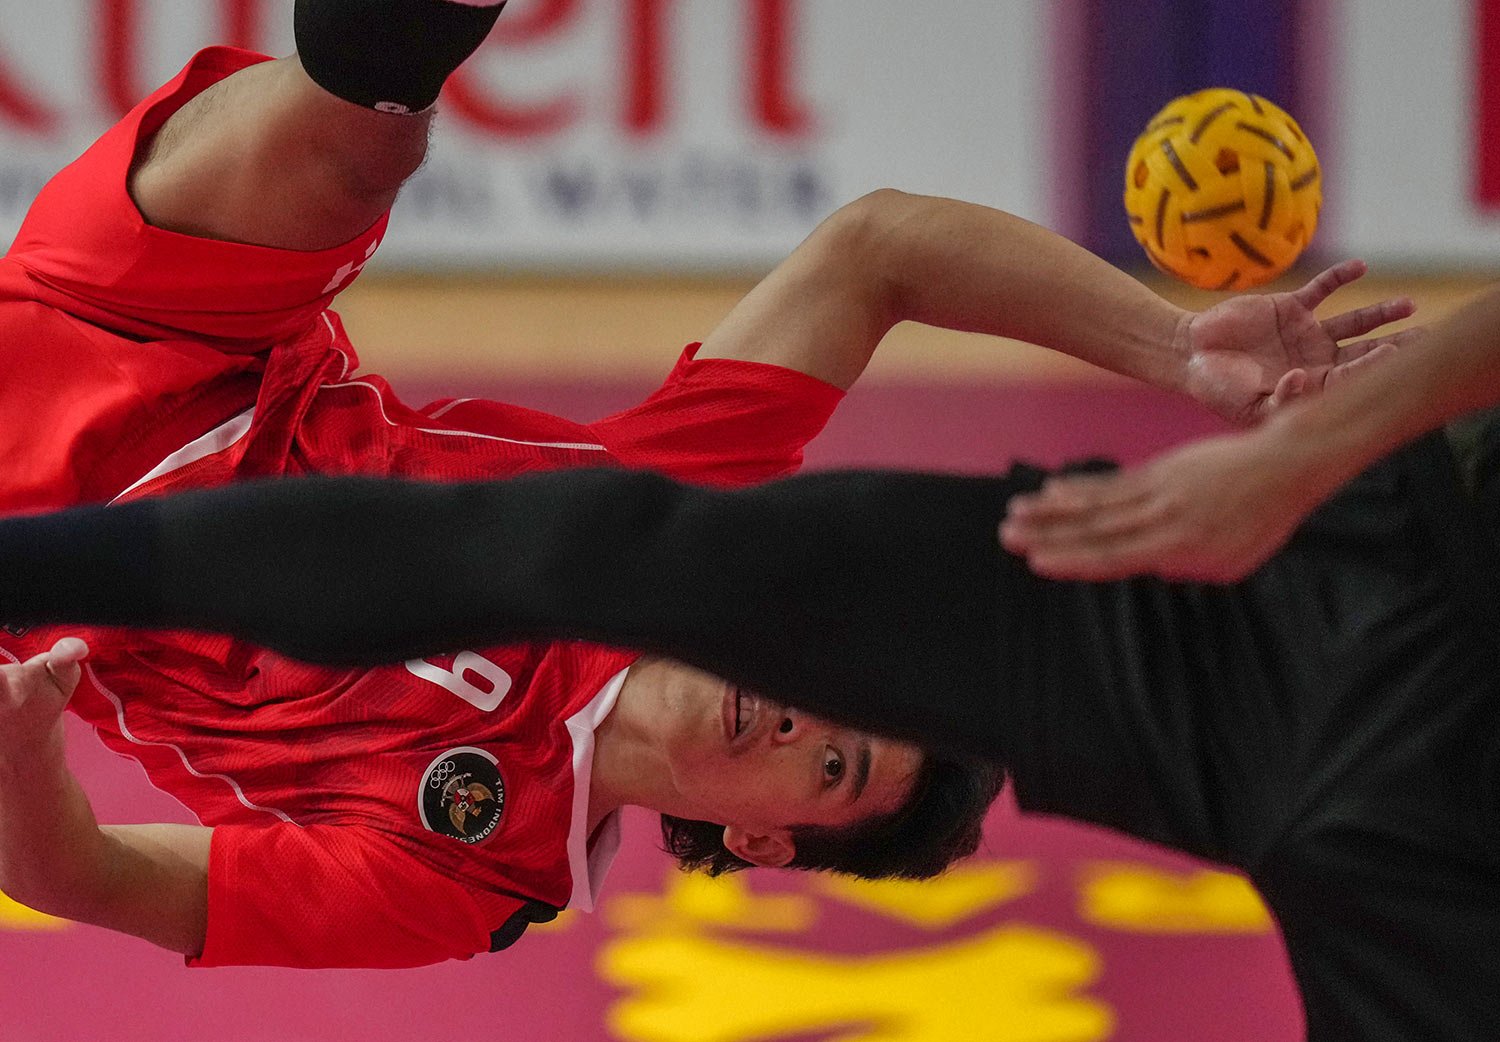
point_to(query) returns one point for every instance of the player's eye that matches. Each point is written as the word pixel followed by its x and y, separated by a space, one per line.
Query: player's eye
pixel 833 765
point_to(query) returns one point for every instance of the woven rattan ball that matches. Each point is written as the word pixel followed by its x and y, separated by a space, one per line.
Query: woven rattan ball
pixel 1223 189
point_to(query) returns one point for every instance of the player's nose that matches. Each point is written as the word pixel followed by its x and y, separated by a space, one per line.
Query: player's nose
pixel 795 725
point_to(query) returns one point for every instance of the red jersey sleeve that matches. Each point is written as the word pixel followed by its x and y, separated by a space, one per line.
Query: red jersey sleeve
pixel 86 249
pixel 722 421
pixel 337 896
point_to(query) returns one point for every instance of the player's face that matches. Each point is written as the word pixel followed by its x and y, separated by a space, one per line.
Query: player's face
pixel 761 768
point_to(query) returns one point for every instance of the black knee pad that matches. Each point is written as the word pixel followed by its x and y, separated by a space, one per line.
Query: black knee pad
pixel 389 55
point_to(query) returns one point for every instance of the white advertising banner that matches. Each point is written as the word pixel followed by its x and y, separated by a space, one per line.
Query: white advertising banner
pixel 675 135
pixel 1408 137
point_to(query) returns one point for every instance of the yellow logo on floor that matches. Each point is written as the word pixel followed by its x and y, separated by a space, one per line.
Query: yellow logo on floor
pixel 16 916
pixel 1142 899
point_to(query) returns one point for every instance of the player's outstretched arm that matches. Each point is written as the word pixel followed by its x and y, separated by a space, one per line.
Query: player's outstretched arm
pixel 859 596
pixel 146 880
pixel 1217 509
pixel 307 152
pixel 891 257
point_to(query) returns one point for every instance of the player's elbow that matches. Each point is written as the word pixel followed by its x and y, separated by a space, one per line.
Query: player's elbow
pixel 887 238
pixel 869 221
pixel 862 242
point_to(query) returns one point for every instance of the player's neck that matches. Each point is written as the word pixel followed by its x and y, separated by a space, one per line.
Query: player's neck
pixel 624 774
pixel 630 765
pixel 624 763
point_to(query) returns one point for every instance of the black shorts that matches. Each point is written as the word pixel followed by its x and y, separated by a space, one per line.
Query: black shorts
pixel 1329 727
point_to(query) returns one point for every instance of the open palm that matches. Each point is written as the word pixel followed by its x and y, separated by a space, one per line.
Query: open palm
pixel 1251 354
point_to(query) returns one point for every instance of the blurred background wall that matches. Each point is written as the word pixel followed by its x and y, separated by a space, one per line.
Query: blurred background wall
pixel 609 176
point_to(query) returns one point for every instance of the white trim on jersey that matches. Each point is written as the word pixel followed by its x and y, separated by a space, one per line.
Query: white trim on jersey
pixel 380 400
pixel 590 861
pixel 125 732
pixel 216 440
pixel 438 414
pixel 232 430
pixel 334 337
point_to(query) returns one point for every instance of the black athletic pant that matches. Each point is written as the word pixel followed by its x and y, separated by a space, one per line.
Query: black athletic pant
pixel 1327 726
pixel 844 589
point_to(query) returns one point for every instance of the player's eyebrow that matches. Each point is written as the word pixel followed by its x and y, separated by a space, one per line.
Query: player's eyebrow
pixel 861 771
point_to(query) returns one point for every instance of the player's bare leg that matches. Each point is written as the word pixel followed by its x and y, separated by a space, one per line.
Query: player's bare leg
pixel 307 152
pixel 267 157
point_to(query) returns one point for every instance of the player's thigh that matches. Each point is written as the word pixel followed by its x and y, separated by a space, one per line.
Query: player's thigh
pixel 86 250
pixel 1476 444
pixel 268 158
pixel 1385 964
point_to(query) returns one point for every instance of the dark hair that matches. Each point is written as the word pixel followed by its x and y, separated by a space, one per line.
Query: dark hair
pixel 940 823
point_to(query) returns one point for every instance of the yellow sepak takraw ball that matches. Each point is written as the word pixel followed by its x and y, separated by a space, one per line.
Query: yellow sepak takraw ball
pixel 1223 189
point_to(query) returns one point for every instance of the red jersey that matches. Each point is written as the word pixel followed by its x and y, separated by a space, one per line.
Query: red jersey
pixel 374 817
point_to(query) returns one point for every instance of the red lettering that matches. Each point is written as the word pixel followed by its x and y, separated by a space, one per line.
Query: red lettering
pixel 22 109
pixel 773 102
pixel 119 34
pixel 466 100
pixel 645 65
pixel 1487 107
pixel 772 105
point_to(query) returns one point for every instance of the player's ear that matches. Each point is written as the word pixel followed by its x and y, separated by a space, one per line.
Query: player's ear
pixel 766 849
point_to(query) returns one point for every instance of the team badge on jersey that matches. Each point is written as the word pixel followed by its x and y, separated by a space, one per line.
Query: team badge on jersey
pixel 463 795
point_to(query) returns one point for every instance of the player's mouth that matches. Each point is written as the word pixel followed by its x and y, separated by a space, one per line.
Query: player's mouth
pixel 741 709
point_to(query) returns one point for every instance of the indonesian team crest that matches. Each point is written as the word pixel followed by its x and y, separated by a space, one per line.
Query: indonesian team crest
pixel 463 795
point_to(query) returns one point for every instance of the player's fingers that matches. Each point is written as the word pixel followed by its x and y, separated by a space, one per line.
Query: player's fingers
pixel 1149 552
pixel 1093 528
pixel 1099 562
pixel 1067 495
pixel 1368 319
pixel 63 663
pixel 1360 363
pixel 1070 534
pixel 1326 281
pixel 1294 384
pixel 1062 520
pixel 1349 352
pixel 1403 339
pixel 67 651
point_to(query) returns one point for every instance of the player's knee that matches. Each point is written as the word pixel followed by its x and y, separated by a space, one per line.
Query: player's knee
pixel 336 158
pixel 372 161
pixel 392 56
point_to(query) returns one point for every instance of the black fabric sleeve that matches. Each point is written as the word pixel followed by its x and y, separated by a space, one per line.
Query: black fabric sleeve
pixel 873 597
pixel 389 55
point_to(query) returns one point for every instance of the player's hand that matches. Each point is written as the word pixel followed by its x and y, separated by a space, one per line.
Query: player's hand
pixel 1252 354
pixel 33 695
pixel 1210 511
